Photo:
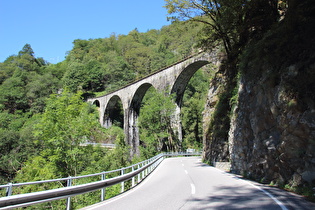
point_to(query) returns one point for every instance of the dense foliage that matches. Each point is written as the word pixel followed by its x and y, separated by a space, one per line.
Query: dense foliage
pixel 26 81
pixel 155 124
pixel 102 65
pixel 44 120
pixel 157 133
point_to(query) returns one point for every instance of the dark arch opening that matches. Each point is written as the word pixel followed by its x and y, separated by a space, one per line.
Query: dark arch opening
pixel 134 111
pixel 96 103
pixel 138 96
pixel 156 112
pixel 189 99
pixel 183 79
pixel 114 114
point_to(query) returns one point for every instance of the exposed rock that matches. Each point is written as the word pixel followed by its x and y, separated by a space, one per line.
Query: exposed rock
pixel 271 139
pixel 271 133
pixel 216 148
pixel 224 166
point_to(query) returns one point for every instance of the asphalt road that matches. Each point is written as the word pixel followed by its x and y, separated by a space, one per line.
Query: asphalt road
pixel 187 183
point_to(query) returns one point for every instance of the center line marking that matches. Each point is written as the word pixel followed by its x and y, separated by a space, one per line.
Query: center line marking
pixel 193 189
pixel 186 171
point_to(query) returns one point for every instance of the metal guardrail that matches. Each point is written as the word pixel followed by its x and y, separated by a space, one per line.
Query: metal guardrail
pixel 139 170
pixel 100 144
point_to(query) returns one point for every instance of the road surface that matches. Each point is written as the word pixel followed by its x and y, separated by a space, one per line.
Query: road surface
pixel 187 183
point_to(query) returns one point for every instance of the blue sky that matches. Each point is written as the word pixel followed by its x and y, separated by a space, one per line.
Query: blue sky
pixel 50 26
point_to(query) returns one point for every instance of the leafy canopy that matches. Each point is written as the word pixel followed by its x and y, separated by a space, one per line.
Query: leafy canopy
pixel 233 22
pixel 155 120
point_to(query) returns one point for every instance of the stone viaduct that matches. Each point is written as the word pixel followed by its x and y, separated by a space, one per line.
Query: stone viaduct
pixel 172 79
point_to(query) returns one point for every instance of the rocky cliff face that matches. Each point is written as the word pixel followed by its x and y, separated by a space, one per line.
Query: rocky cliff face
pixel 215 146
pixel 272 131
pixel 272 134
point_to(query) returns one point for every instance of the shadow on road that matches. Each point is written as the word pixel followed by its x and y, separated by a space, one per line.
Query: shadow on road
pixel 227 197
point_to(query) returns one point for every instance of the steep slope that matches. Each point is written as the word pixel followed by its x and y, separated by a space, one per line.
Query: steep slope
pixel 272 114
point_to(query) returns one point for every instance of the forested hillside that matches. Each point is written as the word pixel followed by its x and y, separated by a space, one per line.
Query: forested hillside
pixel 259 113
pixel 107 64
pixel 44 119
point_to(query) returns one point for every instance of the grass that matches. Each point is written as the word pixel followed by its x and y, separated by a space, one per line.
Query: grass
pixel 306 191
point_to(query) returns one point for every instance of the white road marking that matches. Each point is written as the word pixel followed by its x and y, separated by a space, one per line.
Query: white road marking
pixel 186 171
pixel 193 189
pixel 183 164
pixel 282 206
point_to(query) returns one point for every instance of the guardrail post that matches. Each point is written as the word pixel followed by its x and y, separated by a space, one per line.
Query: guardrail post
pixel 122 183
pixel 9 190
pixel 139 174
pixel 142 165
pixel 133 178
pixel 151 167
pixel 69 183
pixel 146 170
pixel 103 190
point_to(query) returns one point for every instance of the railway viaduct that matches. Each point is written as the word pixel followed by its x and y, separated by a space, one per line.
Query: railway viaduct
pixel 172 79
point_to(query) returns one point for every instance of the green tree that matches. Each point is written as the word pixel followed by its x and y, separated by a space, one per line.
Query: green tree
pixel 117 71
pixel 79 51
pixel 39 87
pixel 193 105
pixel 27 61
pixel 192 122
pixel 233 22
pixel 74 77
pixel 156 132
pixel 16 144
pixel 94 76
pixel 66 123
pixel 25 83
pixel 23 90
pixel 57 70
pixel 13 95
pixel 7 68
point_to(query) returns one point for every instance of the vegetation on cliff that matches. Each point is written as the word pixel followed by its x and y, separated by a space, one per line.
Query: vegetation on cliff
pixel 233 24
pixel 282 63
pixel 269 48
pixel 41 133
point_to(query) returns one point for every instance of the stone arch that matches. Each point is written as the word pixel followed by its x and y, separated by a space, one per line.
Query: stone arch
pixel 113 113
pixel 138 96
pixel 97 103
pixel 178 89
pixel 183 79
pixel 133 114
